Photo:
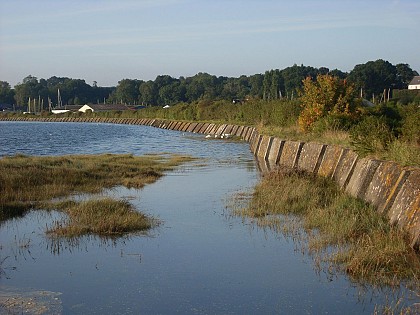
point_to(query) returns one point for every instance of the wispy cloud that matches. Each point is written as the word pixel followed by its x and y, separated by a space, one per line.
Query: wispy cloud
pixel 114 36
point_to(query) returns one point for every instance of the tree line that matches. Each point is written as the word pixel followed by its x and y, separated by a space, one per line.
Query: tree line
pixel 371 78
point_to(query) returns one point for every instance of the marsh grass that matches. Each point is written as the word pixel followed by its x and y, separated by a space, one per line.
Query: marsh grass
pixel 341 231
pixel 104 217
pixel 32 182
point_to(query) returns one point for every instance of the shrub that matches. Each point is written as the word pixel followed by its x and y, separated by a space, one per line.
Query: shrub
pixel 326 96
pixel 410 126
pixel 371 134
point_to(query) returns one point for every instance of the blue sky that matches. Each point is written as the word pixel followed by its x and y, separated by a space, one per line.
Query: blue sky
pixel 106 41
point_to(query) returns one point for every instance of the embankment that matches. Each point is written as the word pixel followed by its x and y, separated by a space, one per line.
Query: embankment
pixel 392 189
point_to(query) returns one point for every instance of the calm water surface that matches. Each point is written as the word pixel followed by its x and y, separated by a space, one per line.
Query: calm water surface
pixel 198 261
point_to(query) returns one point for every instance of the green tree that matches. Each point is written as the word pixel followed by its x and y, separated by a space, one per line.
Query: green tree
pixel 294 76
pixel 256 85
pixel 6 93
pixel 29 88
pixel 127 91
pixel 404 75
pixel 147 92
pixel 374 77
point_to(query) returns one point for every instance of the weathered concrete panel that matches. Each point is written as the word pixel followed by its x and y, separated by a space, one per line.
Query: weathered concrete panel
pixel 255 145
pixel 249 134
pixel 171 125
pixel 290 153
pixel 275 151
pixel 191 127
pixel 264 147
pixel 203 127
pixel 384 186
pixel 182 126
pixel 228 129
pixel 362 176
pixel 330 160
pixel 211 129
pixel 405 211
pixel 186 126
pixel 179 125
pixel 245 131
pixel 234 130
pixel 254 141
pixel 311 156
pixel 238 131
pixel 345 166
pixel 197 127
pixel 221 129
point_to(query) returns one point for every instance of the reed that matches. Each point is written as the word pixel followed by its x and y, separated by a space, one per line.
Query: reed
pixel 344 232
pixel 27 181
pixel 104 217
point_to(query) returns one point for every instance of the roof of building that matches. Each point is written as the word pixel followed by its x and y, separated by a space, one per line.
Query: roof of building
pixel 415 81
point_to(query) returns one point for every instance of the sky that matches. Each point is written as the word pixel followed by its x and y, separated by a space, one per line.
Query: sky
pixel 110 40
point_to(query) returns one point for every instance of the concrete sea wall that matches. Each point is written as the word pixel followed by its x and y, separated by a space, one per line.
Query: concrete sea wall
pixel 393 190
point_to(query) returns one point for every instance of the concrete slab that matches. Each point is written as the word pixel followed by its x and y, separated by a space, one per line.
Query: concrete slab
pixel 290 153
pixel 361 177
pixel 311 156
pixel 345 167
pixel 405 211
pixel 385 185
pixel 275 151
pixel 191 127
pixel 264 147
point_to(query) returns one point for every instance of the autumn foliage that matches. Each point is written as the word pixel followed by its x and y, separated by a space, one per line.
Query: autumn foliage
pixel 326 96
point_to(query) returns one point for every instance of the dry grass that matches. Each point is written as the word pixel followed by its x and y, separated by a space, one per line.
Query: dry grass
pixel 26 181
pixel 105 217
pixel 338 137
pixel 344 231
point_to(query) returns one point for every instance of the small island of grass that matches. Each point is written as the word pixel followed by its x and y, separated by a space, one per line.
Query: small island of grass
pixel 28 182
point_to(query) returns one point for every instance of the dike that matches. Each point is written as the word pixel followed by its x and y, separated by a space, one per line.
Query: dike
pixel 393 190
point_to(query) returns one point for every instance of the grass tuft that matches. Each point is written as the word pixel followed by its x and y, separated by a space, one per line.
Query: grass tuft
pixel 105 217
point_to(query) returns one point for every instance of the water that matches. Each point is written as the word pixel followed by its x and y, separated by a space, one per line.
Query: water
pixel 199 260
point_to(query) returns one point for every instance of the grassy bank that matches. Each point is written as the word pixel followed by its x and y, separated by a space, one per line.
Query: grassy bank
pixel 342 232
pixel 32 182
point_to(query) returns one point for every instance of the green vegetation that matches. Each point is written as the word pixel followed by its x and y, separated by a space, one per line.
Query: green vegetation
pixel 105 217
pixel 32 182
pixel 372 78
pixel 342 231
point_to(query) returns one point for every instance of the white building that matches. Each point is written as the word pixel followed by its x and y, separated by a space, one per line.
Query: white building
pixel 415 83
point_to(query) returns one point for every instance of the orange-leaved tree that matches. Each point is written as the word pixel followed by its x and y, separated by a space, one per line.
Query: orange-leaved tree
pixel 328 95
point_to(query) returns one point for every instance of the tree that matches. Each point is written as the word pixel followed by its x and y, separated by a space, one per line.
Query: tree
pixel 29 88
pixel 127 91
pixel 327 96
pixel 404 75
pixel 256 85
pixel 374 77
pixel 294 76
pixel 147 93
pixel 6 93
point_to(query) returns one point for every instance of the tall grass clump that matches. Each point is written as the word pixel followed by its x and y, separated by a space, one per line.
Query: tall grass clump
pixel 104 217
pixel 347 233
pixel 371 135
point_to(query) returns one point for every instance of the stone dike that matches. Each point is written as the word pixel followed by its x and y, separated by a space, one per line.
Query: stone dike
pixel 393 190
